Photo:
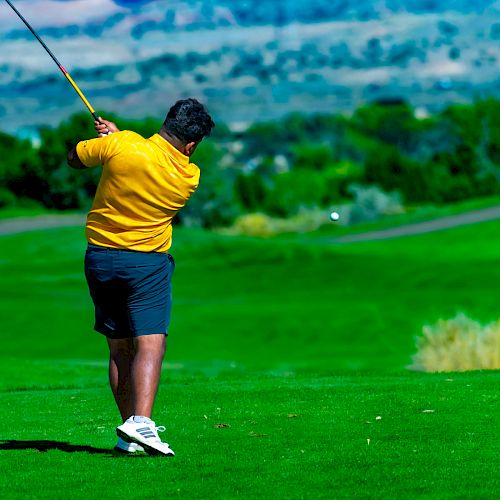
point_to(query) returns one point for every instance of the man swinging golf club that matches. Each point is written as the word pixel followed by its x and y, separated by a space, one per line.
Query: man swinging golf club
pixel 144 183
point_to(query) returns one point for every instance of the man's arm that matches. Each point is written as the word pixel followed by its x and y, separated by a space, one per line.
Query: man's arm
pixel 103 127
pixel 74 161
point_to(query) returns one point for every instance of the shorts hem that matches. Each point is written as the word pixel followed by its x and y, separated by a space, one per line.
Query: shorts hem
pixel 143 334
pixel 113 335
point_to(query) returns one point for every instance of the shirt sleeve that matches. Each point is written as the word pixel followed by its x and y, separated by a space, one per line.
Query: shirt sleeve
pixel 93 152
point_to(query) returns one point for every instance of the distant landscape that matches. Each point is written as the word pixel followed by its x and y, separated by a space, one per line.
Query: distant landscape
pixel 249 61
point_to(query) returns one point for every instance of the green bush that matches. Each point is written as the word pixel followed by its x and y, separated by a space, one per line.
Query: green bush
pixel 394 125
pixel 311 156
pixel 214 203
pixel 7 198
pixel 18 160
pixel 251 191
pixel 389 169
pixel 338 178
pixel 294 190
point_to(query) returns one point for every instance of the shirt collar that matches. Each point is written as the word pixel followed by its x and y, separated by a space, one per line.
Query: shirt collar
pixel 168 148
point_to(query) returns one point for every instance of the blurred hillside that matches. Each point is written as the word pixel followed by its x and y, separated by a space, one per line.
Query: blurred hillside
pixel 250 61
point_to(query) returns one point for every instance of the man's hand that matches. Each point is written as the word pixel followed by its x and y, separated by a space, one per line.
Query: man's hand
pixel 105 127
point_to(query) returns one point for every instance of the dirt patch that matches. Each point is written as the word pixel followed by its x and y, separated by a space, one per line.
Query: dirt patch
pixel 23 224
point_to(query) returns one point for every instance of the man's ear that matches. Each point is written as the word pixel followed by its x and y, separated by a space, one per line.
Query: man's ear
pixel 189 148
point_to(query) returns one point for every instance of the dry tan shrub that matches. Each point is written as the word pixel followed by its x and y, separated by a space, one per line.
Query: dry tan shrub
pixel 257 224
pixel 458 344
pixel 260 224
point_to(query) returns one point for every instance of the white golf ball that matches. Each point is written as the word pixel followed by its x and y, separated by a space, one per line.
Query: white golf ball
pixel 334 216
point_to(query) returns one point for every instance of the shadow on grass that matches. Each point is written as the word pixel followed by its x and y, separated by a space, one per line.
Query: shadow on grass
pixel 46 445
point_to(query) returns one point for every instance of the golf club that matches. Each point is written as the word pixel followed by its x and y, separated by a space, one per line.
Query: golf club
pixel 61 67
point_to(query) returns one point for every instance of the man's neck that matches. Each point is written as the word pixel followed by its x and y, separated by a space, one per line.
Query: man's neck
pixel 176 143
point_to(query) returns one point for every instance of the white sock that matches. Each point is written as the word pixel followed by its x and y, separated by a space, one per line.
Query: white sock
pixel 138 419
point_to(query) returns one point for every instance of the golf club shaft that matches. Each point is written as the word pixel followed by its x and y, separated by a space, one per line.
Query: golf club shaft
pixel 60 66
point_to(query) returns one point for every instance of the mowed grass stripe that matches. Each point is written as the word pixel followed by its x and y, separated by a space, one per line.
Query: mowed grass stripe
pixel 263 303
pixel 267 436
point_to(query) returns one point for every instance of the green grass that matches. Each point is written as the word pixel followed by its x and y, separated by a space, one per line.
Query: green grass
pixel 14 212
pixel 263 303
pixel 286 437
pixel 262 330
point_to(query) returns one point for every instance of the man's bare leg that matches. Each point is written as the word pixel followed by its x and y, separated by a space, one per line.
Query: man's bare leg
pixel 145 378
pixel 146 371
pixel 121 357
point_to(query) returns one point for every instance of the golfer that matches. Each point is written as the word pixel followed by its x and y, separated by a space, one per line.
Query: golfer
pixel 144 183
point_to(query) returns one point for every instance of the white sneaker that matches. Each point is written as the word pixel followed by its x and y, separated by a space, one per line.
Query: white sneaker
pixel 127 448
pixel 143 431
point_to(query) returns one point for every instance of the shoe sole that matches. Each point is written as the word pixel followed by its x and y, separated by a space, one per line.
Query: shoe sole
pixel 127 452
pixel 150 450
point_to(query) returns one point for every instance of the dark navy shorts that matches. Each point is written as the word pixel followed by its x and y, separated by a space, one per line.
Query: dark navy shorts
pixel 131 291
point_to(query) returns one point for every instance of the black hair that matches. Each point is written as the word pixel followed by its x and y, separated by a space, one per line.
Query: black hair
pixel 189 121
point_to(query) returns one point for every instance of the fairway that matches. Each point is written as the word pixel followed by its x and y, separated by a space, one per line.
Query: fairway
pixel 285 373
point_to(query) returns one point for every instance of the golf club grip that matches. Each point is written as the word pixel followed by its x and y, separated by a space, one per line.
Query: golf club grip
pixel 97 119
